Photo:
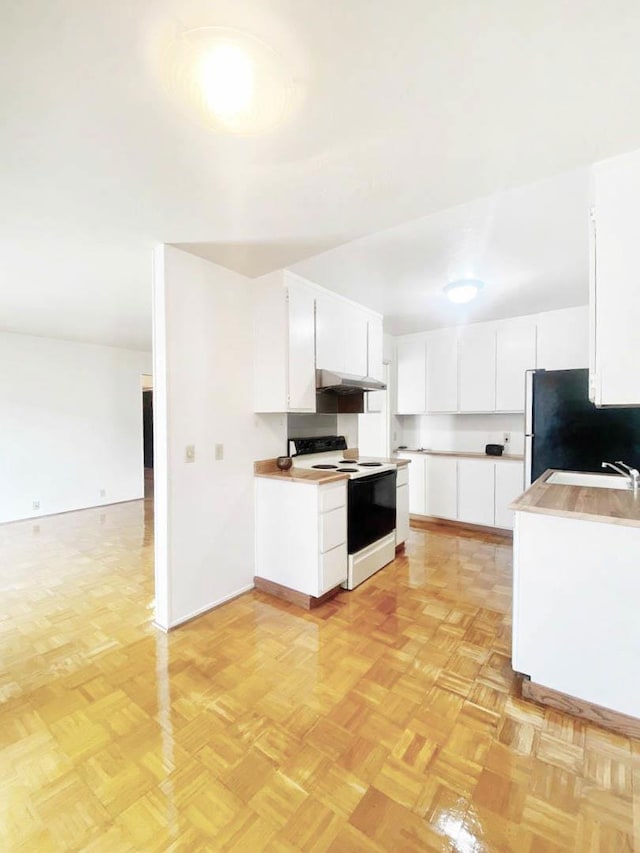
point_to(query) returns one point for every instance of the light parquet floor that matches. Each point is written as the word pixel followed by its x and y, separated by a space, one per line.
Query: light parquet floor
pixel 389 719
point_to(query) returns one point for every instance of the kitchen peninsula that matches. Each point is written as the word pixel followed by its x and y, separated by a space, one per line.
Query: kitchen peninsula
pixel 576 587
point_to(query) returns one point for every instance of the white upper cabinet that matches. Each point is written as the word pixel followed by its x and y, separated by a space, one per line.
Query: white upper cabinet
pixel 411 357
pixel 330 333
pixel 302 374
pixel 354 342
pixel 375 367
pixel 615 282
pixel 563 339
pixel 477 368
pixel 342 337
pixel 515 354
pixel 442 370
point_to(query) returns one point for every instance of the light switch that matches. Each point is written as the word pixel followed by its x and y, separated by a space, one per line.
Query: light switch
pixel 190 453
pixel 219 451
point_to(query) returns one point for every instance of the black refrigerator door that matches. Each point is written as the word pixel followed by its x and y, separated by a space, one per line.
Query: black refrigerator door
pixel 570 433
pixel 371 509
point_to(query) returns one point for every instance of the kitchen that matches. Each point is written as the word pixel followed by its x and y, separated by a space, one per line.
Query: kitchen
pixel 528 385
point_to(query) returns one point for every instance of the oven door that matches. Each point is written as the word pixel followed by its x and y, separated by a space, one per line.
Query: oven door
pixel 371 509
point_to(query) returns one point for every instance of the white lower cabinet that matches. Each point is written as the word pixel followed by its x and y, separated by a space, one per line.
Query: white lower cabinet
pixel 441 486
pixel 402 505
pixel 417 494
pixel 301 534
pixel 509 486
pixel 476 491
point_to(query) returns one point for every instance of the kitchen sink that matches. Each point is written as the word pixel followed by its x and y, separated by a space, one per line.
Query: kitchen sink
pixel 583 478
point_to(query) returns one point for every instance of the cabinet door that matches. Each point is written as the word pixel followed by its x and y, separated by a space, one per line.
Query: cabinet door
pixel 563 339
pixel 442 370
pixel 416 472
pixel 375 368
pixel 354 341
pixel 515 354
pixel 441 486
pixel 330 323
pixel 616 288
pixel 411 387
pixel 476 489
pixel 477 368
pixel 302 374
pixel 509 486
pixel 402 514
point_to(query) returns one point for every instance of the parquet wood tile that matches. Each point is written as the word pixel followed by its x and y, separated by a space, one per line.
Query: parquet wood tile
pixel 386 720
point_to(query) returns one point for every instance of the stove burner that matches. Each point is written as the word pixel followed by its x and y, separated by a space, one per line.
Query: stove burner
pixel 370 464
pixel 324 467
pixel 348 470
pixel 348 462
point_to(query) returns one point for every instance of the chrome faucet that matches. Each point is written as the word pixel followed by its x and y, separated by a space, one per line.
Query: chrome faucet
pixel 632 474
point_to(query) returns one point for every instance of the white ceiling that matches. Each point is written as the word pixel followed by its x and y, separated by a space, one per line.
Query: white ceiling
pixel 405 109
pixel 528 245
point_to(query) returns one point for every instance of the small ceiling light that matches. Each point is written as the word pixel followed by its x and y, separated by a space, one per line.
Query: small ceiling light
pixel 463 291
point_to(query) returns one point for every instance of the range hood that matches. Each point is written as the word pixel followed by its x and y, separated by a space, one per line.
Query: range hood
pixel 344 383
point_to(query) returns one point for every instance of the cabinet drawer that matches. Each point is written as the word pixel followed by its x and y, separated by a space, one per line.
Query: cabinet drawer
pixel 333 568
pixel 403 476
pixel 331 498
pixel 333 528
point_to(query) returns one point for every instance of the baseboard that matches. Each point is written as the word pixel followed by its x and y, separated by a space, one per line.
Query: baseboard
pixel 67 511
pixel 429 522
pixel 300 599
pixel 207 607
pixel 621 723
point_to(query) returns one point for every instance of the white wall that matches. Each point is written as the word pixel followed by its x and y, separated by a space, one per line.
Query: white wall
pixel 70 425
pixel 203 365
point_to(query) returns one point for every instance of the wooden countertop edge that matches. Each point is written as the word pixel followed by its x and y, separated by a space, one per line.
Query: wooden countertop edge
pixel 470 454
pixel 538 491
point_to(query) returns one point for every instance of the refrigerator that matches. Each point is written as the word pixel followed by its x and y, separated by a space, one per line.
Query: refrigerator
pixel 563 429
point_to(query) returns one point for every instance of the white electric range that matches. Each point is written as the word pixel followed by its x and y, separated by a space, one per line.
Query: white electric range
pixel 371 501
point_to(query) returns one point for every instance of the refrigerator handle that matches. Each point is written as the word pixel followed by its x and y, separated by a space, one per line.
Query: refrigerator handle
pixel 528 459
pixel 528 402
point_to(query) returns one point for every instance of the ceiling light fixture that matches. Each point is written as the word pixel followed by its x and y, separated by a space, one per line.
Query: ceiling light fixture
pixel 463 291
pixel 234 82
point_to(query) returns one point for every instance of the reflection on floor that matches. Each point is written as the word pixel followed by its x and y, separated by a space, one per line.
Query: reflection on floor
pixel 386 720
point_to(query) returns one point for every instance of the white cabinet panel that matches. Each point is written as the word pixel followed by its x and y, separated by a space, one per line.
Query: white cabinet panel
pixel 354 342
pixel 476 491
pixel 477 368
pixel 375 367
pixel 509 486
pixel 333 529
pixel 333 568
pixel 330 330
pixel 402 514
pixel 411 380
pixel 441 482
pixel 417 487
pixel 563 339
pixel 302 376
pixel 442 370
pixel 615 281
pixel 515 354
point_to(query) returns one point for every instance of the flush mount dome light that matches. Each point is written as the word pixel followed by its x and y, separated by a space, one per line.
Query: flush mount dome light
pixel 234 82
pixel 464 290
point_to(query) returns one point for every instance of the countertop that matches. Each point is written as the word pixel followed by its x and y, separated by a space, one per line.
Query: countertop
pixel 610 506
pixel 267 468
pixel 462 454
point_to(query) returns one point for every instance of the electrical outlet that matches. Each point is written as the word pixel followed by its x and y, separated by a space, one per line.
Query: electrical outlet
pixel 36 505
pixel 219 452
pixel 103 493
pixel 507 438
pixel 190 453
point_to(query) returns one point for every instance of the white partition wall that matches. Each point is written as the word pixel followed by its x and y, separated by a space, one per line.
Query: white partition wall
pixel 203 364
